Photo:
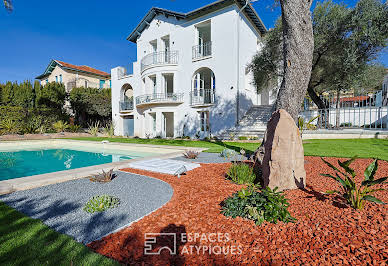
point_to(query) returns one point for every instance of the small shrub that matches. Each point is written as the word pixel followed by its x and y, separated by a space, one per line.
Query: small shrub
pixel 243 138
pixel 33 124
pixel 228 153
pixel 346 124
pixel 94 128
pixel 9 126
pixel 103 177
pixel 259 206
pixel 74 128
pixel 355 196
pixel 191 154
pixel 109 130
pixel 241 173
pixel 60 126
pixel 101 203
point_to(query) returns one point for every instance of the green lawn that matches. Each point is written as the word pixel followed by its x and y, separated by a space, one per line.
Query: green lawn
pixel 26 241
pixel 363 148
pixel 212 146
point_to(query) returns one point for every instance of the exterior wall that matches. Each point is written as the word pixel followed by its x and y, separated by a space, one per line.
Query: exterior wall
pixel 69 76
pixel 223 63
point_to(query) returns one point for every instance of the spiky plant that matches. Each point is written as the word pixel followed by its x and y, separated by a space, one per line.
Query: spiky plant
pixel 101 203
pixel 191 154
pixel 103 177
pixel 355 196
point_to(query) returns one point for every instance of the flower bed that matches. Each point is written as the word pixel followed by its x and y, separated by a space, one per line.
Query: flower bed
pixel 326 230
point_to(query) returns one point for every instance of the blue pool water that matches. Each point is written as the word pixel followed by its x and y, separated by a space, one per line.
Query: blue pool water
pixel 27 163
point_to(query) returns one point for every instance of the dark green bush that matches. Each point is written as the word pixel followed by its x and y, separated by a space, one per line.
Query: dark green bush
pixel 259 206
pixel 243 138
pixel 52 95
pixel 24 120
pixel 241 173
pixel 91 105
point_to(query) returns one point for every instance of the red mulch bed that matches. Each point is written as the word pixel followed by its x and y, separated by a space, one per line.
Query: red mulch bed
pixel 326 231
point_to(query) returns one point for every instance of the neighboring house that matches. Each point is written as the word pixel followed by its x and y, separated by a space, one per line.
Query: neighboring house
pixel 191 76
pixel 74 76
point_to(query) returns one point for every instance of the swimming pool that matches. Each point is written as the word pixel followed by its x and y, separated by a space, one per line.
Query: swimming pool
pixel 35 162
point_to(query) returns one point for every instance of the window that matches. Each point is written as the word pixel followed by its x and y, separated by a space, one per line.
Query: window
pixel 86 83
pixel 110 84
pixel 47 81
pixel 204 120
pixel 102 83
pixel 56 78
pixel 60 78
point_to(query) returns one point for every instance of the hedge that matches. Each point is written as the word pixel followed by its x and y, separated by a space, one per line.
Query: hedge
pixel 23 119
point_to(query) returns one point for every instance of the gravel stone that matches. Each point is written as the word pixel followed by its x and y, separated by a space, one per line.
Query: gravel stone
pixel 60 206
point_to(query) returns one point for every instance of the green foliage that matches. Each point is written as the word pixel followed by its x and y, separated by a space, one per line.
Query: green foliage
pixel 101 203
pixel 23 95
pixel 7 93
pixel 7 125
pixel 302 125
pixel 52 95
pixel 91 104
pixel 33 124
pixel 228 153
pixel 94 128
pixel 27 120
pixel 243 138
pixel 346 43
pixel 259 206
pixel 74 128
pixel 60 126
pixel 109 129
pixel 355 196
pixel 241 173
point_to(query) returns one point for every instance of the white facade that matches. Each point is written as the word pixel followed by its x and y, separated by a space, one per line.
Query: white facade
pixel 185 80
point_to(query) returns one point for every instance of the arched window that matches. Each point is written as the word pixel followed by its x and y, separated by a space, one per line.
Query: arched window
pixel 203 86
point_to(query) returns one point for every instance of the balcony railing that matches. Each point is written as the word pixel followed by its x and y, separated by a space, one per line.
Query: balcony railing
pixel 203 50
pixel 202 97
pixel 159 98
pixel 159 58
pixel 126 106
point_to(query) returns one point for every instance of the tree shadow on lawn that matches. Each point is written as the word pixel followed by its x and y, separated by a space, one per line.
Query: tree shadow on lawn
pixel 231 147
pixel 64 217
pixel 27 241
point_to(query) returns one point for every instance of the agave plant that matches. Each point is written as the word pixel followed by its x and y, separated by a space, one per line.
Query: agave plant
pixel 74 128
pixel 94 128
pixel 355 196
pixel 60 126
pixel 191 154
pixel 101 203
pixel 103 177
pixel 9 126
pixel 109 130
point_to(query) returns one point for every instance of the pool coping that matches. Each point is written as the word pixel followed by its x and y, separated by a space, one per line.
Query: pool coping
pixel 28 182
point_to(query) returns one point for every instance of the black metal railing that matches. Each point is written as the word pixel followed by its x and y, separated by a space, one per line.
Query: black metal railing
pixel 202 97
pixel 160 98
pixel 126 106
pixel 202 50
pixel 159 58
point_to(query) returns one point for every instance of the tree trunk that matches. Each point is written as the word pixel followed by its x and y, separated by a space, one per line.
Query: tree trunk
pixel 298 47
pixel 322 105
pixel 280 159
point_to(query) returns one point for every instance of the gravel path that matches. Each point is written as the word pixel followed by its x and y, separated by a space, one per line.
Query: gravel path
pixel 207 157
pixel 60 206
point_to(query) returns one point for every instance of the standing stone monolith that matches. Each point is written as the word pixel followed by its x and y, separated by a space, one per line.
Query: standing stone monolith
pixel 280 157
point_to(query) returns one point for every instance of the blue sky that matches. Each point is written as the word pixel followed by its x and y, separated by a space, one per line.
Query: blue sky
pixel 84 32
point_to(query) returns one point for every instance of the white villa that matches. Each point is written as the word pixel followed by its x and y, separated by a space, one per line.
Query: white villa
pixel 191 76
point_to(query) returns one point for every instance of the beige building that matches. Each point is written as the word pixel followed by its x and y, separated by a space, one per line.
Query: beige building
pixel 74 76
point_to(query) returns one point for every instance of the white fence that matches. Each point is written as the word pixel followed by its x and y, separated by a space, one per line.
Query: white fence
pixel 349 117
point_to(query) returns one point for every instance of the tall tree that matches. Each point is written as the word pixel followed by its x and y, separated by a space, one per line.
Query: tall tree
pixel 8 5
pixel 346 41
pixel 298 46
